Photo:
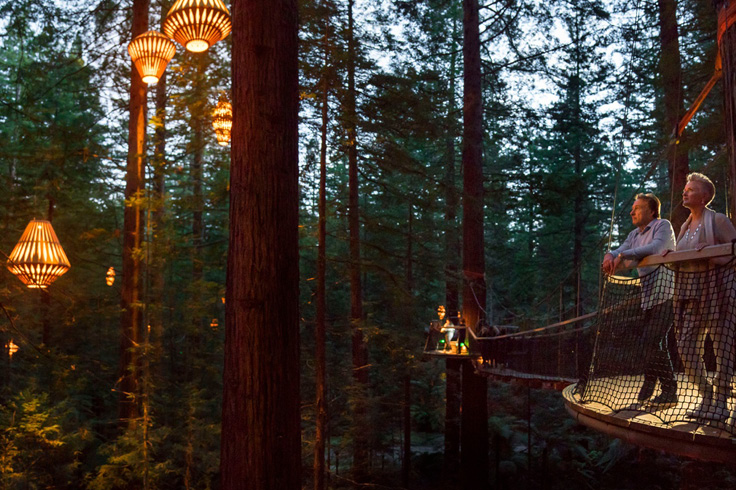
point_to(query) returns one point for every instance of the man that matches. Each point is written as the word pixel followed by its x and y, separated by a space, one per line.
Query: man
pixel 652 235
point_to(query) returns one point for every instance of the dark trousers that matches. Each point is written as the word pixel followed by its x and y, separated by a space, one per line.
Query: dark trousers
pixel 657 322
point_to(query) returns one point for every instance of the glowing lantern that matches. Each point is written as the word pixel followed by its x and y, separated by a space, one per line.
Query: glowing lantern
pixel 110 276
pixel 38 259
pixel 222 121
pixel 197 24
pixel 12 348
pixel 214 324
pixel 151 52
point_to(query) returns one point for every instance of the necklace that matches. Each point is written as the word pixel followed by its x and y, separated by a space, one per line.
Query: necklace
pixel 690 236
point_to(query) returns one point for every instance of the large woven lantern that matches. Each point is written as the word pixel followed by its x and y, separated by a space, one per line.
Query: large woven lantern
pixel 222 121
pixel 38 259
pixel 197 24
pixel 151 52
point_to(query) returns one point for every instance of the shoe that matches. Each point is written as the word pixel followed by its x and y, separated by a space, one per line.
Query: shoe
pixel 663 399
pixel 718 409
pixel 647 389
pixel 704 408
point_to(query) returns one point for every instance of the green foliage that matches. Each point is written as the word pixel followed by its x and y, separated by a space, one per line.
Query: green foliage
pixel 42 443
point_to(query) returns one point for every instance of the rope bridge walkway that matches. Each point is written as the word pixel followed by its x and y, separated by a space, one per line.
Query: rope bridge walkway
pixel 654 365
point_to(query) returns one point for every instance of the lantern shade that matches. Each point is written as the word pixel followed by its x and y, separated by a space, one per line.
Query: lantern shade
pixel 197 24
pixel 38 259
pixel 222 121
pixel 151 52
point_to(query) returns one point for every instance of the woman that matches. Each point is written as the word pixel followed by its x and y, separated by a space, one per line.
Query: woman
pixel 701 300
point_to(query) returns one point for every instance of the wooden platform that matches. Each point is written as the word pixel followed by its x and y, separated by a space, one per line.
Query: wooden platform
pixel 621 416
pixel 452 352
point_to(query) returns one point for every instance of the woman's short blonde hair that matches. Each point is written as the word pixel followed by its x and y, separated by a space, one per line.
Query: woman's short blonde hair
pixel 706 184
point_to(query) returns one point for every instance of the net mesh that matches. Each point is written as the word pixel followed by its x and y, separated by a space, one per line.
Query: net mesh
pixel 664 345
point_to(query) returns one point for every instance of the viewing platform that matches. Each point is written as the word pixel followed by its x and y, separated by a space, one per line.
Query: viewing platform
pixel 663 428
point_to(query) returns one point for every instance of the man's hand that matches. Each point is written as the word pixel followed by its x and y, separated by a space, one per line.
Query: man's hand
pixel 616 262
pixel 608 264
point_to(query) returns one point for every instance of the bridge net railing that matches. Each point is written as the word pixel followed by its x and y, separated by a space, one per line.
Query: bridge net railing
pixel 558 352
pixel 664 344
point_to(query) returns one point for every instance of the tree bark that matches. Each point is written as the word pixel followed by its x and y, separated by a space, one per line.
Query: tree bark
pixel 451 462
pixel 261 438
pixel 474 425
pixel 360 352
pixel 133 233
pixel 727 48
pixel 671 72
pixel 158 281
pixel 321 327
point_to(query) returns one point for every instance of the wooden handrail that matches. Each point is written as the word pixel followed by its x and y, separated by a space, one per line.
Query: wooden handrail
pixel 536 330
pixel 713 251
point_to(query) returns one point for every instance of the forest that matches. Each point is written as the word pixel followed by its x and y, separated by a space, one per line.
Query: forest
pixel 544 119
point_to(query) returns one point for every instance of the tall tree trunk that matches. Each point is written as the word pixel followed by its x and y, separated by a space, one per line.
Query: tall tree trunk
pixel 671 73
pixel 198 116
pixel 321 327
pixel 360 352
pixel 451 463
pixel 158 281
pixel 406 459
pixel 130 292
pixel 474 428
pixel 727 47
pixel 261 438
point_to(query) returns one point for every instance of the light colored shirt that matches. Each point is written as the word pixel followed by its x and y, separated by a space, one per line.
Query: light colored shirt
pixel 655 238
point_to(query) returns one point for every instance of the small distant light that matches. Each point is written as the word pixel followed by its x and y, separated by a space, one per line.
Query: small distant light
pixel 110 276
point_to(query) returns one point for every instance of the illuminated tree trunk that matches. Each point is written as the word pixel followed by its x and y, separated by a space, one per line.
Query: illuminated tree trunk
pixel 727 46
pixel 474 428
pixel 261 443
pixel 360 352
pixel 321 327
pixel 671 72
pixel 133 233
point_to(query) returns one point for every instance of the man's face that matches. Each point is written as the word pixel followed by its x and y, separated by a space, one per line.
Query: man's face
pixel 641 213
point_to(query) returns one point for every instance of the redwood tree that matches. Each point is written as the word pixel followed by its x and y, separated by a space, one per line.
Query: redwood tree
pixel 130 292
pixel 671 73
pixel 261 446
pixel 474 428
pixel 360 352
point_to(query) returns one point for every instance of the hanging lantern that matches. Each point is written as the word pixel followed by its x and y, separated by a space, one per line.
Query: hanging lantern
pixel 151 52
pixel 12 348
pixel 197 24
pixel 110 276
pixel 222 121
pixel 38 259
pixel 214 324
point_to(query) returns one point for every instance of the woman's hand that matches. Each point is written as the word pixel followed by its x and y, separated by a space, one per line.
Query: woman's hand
pixel 664 254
